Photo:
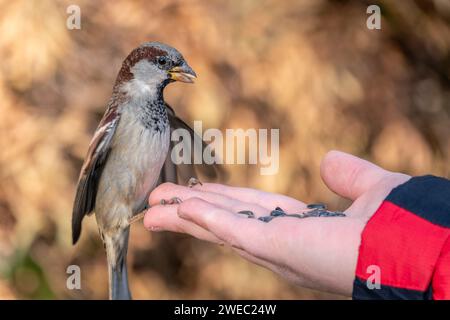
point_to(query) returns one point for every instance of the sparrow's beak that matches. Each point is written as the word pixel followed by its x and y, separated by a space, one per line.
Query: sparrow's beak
pixel 183 73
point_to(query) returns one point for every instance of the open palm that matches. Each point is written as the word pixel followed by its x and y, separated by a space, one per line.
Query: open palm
pixel 316 252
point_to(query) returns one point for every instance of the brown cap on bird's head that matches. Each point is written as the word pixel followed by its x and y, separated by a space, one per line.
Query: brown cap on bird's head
pixel 155 60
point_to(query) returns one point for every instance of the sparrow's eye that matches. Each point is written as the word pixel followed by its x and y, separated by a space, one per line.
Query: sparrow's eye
pixel 162 61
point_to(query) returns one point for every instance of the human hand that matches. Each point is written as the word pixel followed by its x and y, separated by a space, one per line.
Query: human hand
pixel 315 252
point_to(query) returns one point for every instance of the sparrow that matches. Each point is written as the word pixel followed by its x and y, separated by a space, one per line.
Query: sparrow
pixel 129 156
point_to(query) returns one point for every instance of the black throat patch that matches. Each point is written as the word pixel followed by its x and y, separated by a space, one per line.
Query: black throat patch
pixel 153 115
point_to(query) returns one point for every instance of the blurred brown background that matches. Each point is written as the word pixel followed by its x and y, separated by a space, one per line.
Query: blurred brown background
pixel 308 67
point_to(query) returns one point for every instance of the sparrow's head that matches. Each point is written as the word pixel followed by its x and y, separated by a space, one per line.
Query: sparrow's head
pixel 156 65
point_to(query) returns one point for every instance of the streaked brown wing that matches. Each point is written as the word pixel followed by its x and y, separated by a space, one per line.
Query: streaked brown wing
pixel 92 169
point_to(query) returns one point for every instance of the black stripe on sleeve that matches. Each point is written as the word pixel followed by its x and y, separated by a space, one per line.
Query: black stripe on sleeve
pixel 362 292
pixel 427 196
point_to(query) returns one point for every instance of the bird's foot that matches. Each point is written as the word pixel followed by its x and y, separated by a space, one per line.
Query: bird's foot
pixel 137 217
pixel 193 182
pixel 174 200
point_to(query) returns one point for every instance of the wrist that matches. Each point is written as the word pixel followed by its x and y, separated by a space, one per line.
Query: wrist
pixel 403 240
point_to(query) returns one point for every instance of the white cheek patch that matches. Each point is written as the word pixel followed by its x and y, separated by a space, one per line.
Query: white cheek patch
pixel 146 72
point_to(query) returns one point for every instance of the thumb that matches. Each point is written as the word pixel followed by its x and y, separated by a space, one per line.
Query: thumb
pixel 350 176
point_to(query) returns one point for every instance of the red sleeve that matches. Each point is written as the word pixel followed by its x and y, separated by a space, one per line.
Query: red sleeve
pixel 441 277
pixel 405 246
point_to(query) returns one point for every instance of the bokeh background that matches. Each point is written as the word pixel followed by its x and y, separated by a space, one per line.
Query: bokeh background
pixel 308 67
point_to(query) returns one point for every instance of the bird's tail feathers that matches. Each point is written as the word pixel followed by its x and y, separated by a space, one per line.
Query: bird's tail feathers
pixel 116 251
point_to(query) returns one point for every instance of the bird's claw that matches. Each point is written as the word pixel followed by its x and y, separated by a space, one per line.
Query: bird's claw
pixel 174 200
pixel 137 217
pixel 193 182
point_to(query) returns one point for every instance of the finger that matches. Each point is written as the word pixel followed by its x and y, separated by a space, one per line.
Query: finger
pixel 250 235
pixel 170 190
pixel 264 199
pixel 349 176
pixel 165 218
pixel 265 242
